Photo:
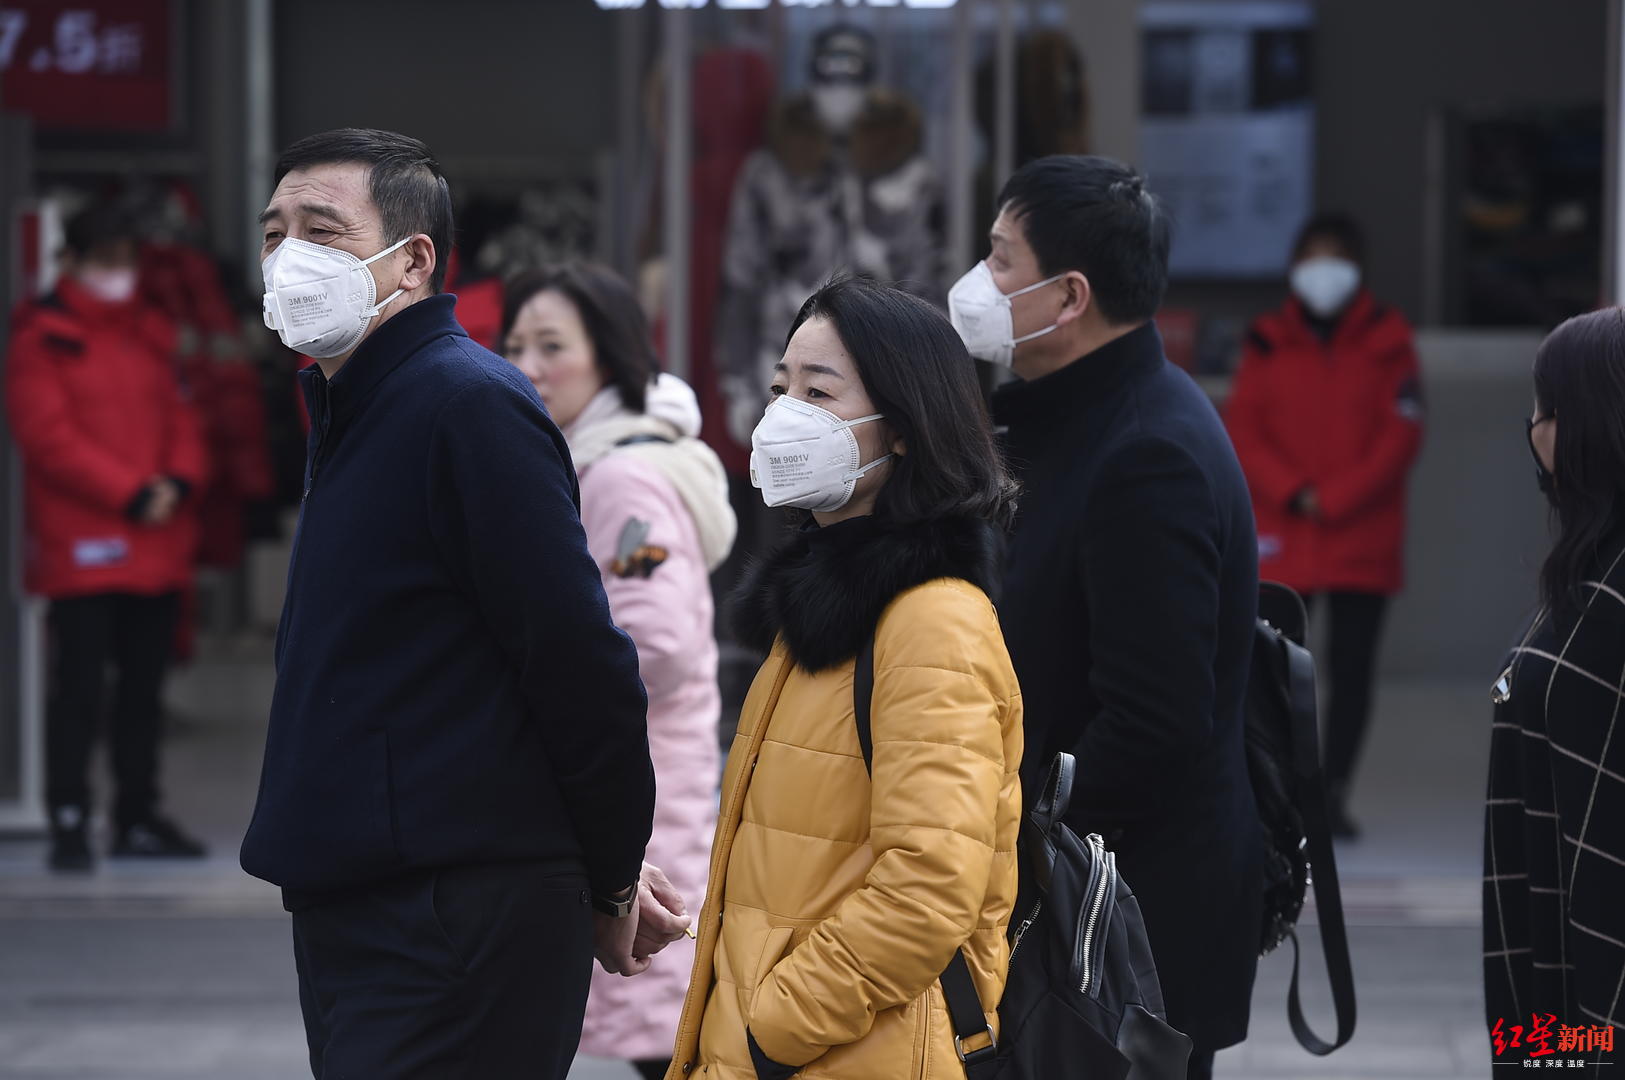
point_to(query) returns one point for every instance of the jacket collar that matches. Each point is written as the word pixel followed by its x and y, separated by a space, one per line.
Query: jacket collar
pixel 81 303
pixel 1091 376
pixel 823 590
pixel 1352 321
pixel 379 355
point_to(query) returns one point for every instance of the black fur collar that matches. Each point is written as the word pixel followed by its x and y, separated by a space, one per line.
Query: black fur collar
pixel 824 589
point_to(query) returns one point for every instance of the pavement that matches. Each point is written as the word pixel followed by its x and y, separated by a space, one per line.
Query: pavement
pixel 184 971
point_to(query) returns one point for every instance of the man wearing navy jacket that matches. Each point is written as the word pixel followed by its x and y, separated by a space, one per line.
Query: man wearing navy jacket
pixel 1132 575
pixel 457 769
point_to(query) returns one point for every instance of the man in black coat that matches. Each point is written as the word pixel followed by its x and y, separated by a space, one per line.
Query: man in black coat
pixel 457 768
pixel 1131 586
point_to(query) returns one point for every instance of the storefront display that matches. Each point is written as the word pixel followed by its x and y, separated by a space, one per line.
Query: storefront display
pixel 842 186
pixel 1228 130
pixel 88 65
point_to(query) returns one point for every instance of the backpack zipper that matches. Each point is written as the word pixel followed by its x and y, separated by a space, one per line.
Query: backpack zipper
pixel 1092 915
pixel 1021 934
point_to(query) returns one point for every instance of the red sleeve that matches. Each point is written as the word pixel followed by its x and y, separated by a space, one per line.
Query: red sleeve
pixel 1271 477
pixel 1390 458
pixel 47 432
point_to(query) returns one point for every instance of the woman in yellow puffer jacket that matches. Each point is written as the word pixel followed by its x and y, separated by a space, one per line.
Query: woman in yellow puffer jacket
pixel 837 901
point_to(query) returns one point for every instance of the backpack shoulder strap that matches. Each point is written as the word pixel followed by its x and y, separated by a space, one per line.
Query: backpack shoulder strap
pixel 863 693
pixel 1322 863
pixel 958 988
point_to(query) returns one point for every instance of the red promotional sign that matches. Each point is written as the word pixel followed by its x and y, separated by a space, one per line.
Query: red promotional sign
pixel 99 65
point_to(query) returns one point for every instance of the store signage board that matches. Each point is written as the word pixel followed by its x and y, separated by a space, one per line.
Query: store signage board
pixel 1227 130
pixel 758 5
pixel 88 65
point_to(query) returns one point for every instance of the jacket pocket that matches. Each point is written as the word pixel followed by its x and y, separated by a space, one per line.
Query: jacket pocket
pixel 774 948
pixel 437 918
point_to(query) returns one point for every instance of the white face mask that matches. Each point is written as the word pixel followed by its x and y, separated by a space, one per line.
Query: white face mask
pixel 1325 283
pixel 801 455
pixel 320 299
pixel 840 104
pixel 981 314
pixel 114 286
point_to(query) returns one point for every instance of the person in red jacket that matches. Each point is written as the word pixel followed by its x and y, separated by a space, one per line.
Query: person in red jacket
pixel 111 453
pixel 1326 416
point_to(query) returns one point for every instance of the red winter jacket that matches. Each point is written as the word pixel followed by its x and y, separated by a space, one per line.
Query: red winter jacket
pixel 1343 417
pixel 97 411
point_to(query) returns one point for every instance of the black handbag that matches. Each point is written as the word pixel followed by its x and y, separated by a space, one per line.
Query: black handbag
pixel 1082 998
pixel 1283 762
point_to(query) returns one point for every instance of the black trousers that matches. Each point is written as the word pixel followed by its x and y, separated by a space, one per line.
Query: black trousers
pixel 469 973
pixel 1351 648
pixel 134 635
pixel 1201 1064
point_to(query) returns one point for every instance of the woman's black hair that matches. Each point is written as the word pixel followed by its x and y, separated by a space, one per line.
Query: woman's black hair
pixel 917 372
pixel 97 228
pixel 609 310
pixel 1340 228
pixel 1580 380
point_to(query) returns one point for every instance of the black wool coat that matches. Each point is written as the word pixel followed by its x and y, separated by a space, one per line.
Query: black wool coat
pixel 1128 608
pixel 1554 828
pixel 450 689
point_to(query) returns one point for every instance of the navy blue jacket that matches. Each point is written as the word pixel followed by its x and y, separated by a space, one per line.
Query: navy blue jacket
pixel 1128 608
pixel 450 689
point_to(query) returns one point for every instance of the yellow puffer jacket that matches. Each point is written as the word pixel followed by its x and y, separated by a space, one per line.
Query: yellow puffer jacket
pixel 837 902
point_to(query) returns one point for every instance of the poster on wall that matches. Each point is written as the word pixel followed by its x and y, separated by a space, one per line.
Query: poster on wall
pixel 1227 130
pixel 88 65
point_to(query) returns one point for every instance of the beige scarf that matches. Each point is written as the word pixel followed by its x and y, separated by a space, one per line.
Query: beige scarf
pixel 672 413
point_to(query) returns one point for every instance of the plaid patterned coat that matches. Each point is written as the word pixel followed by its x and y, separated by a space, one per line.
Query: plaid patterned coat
pixel 1554 837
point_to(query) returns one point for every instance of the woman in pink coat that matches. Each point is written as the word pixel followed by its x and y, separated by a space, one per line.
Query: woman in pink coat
pixel 654 504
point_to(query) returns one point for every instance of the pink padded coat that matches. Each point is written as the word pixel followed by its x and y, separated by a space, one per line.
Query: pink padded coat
pixel 660 594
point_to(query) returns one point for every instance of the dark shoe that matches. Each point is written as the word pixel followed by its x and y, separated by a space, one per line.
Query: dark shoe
pixel 70 841
pixel 156 838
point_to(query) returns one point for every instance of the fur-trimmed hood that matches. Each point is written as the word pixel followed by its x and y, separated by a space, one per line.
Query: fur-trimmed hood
pixel 824 589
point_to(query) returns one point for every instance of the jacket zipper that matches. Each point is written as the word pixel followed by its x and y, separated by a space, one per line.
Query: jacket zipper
pixel 321 423
pixel 1091 923
pixel 719 857
pixel 1021 935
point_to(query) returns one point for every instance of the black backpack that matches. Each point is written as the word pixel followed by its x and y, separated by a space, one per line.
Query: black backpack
pixel 1082 996
pixel 1283 760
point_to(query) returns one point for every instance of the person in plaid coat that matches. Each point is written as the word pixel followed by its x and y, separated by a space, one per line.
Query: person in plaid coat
pixel 1554 838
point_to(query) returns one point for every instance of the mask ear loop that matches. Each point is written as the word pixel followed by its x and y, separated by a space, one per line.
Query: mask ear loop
pixel 853 478
pixel 1035 285
pixel 390 250
pixel 386 301
pixel 861 473
pixel 1036 333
